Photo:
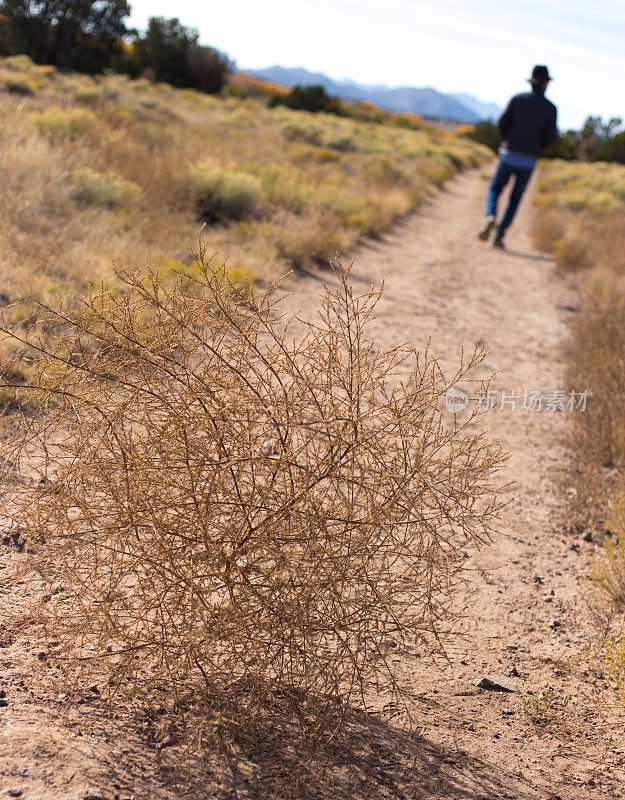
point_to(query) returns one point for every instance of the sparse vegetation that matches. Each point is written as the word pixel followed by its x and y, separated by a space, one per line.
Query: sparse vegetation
pixel 582 220
pixel 220 193
pixel 104 190
pixel 58 123
pixel 107 167
pixel 307 98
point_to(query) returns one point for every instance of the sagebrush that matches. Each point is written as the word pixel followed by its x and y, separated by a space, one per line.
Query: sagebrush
pixel 243 509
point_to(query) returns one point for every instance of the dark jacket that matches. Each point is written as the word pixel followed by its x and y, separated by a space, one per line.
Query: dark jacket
pixel 529 123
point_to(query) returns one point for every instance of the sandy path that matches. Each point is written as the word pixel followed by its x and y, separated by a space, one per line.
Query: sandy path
pixel 441 282
pixel 525 606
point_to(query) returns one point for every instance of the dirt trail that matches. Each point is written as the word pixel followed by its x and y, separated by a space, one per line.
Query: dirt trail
pixel 526 605
pixel 525 609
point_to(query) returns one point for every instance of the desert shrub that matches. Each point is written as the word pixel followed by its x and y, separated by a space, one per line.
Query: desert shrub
pixel 486 133
pixel 312 98
pixel 89 95
pixel 286 188
pixel 104 190
pixel 344 144
pixel 19 63
pixel 596 363
pixel 302 131
pixel 238 517
pixel 18 84
pixel 571 251
pixel 608 568
pixel 59 123
pixel 306 240
pixel 549 227
pixel 608 572
pixel 222 193
pixel 591 199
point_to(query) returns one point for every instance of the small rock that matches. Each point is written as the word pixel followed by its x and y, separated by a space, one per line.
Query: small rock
pixel 42 655
pixel 512 672
pixel 572 307
pixel 2 693
pixel 496 683
pixel 93 794
pixel 574 546
pixel 14 792
pixel 555 623
pixel 3 703
pixel 537 578
pixel 448 760
pixel 270 448
pixel 587 536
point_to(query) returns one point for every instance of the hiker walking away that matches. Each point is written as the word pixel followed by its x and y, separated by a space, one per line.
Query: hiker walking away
pixel 527 126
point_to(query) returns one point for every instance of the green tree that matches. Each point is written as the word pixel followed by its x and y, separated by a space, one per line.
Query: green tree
pixel 163 51
pixel 612 149
pixel 566 147
pixel 208 69
pixel 594 134
pixel 486 132
pixel 307 98
pixel 72 34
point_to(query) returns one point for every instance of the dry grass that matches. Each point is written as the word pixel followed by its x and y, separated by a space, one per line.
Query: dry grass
pixel 608 568
pixel 248 519
pixel 96 169
pixel 590 240
pixel 582 220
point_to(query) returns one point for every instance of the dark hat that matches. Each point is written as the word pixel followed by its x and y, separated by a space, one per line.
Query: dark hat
pixel 540 74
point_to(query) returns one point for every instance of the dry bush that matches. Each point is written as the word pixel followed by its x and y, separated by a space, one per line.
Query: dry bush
pixel 104 190
pixel 608 572
pixel 571 251
pixel 587 199
pixel 239 513
pixel 591 238
pixel 220 193
pixel 608 568
pixel 548 228
pixel 596 362
pixel 19 84
pixel 59 123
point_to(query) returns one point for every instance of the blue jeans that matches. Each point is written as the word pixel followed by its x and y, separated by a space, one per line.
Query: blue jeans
pixel 501 177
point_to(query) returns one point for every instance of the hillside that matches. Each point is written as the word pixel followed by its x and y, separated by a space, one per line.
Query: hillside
pixel 427 102
pixel 105 168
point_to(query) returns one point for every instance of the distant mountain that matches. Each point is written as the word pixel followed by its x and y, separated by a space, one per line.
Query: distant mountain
pixel 427 102
pixel 483 110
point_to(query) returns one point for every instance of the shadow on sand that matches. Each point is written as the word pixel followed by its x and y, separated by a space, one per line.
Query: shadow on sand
pixel 372 760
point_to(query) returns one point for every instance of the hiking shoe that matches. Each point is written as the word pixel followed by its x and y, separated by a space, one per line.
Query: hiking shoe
pixel 489 224
pixel 498 242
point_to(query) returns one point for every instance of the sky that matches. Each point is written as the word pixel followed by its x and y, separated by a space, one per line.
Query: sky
pixel 481 47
